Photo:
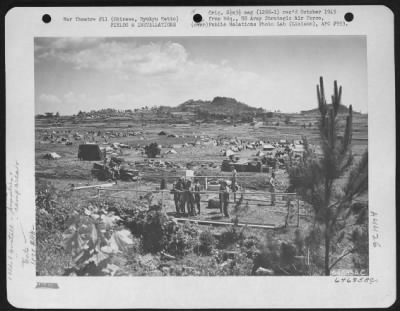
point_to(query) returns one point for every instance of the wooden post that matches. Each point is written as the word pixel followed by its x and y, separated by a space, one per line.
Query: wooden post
pixel 162 199
pixel 206 186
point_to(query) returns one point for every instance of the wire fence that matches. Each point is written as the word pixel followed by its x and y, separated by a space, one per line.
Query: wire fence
pixel 281 200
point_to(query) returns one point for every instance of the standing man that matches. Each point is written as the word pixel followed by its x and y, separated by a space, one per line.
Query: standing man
pixel 189 199
pixel 177 195
pixel 182 196
pixel 197 195
pixel 272 184
pixel 221 196
pixel 234 174
pixel 225 199
pixel 234 188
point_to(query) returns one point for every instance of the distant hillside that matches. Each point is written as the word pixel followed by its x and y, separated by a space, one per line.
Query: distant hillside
pixel 225 105
pixel 342 109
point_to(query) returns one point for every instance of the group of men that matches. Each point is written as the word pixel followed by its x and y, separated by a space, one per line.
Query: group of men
pixel 186 196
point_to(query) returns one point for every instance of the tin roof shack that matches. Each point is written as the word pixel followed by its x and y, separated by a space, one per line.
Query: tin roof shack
pixel 89 152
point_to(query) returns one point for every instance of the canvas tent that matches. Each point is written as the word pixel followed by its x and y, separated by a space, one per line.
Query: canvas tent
pixel 52 156
pixel 172 151
pixel 90 152
pixel 229 153
pixel 268 147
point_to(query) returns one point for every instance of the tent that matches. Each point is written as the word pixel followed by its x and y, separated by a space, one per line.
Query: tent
pixel 52 156
pixel 172 151
pixel 162 133
pixel 268 147
pixel 90 152
pixel 229 153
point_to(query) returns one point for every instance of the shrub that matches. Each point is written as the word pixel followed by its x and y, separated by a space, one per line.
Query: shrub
pixel 206 243
pixel 161 233
pixel 281 258
pixel 230 236
pixel 183 240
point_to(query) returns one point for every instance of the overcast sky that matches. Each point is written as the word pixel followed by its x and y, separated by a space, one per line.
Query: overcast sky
pixel 73 74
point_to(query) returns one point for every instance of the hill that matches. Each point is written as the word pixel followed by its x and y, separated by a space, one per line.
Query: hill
pixel 219 105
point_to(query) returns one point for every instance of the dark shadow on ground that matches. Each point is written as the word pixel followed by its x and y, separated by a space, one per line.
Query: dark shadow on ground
pixel 218 217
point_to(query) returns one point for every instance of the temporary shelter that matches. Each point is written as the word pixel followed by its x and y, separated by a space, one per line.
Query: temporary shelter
pixel 90 152
pixel 229 153
pixel 268 147
pixel 172 151
pixel 52 156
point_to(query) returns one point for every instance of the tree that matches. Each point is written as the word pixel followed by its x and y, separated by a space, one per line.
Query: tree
pixel 340 221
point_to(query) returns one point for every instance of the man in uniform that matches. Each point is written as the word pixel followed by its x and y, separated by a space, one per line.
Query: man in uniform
pixel 272 183
pixel 221 197
pixel 177 195
pixel 197 195
pixel 190 198
pixel 225 199
pixel 183 196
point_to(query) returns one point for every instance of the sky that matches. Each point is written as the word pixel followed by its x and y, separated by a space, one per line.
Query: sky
pixel 274 73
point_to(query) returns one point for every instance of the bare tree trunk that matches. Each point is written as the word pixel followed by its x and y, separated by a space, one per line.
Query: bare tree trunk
pixel 327 251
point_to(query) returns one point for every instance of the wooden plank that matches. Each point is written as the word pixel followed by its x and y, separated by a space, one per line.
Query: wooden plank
pixel 201 192
pixel 93 186
pixel 225 223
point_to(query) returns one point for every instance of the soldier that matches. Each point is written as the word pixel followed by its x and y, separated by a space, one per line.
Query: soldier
pixel 190 198
pixel 221 189
pixel 272 183
pixel 234 188
pixel 177 188
pixel 197 195
pixel 225 199
pixel 182 196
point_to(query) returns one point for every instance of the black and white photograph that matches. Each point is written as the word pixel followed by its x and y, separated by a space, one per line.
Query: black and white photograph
pixel 201 156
